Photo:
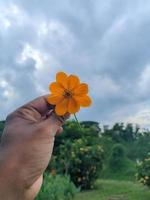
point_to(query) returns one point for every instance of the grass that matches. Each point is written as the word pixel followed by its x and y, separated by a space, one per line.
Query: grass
pixel 116 190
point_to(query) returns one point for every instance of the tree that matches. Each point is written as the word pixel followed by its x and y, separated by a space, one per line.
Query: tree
pixel 2 123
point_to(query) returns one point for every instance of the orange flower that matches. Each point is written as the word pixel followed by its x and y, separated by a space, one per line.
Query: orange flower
pixel 68 94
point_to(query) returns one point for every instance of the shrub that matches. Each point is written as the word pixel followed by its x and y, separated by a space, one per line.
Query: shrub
pixel 77 153
pixel 143 174
pixel 72 132
pixel 86 163
pixel 56 187
pixel 117 157
pixel 82 161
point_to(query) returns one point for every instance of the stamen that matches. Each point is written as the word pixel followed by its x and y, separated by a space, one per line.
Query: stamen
pixel 67 94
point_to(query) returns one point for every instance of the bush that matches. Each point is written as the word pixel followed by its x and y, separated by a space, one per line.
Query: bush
pixel 143 174
pixel 117 157
pixel 56 187
pixel 86 163
pixel 82 160
pixel 77 153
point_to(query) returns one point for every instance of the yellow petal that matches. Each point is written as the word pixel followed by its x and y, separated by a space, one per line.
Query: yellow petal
pixel 81 89
pixel 61 107
pixel 73 106
pixel 73 82
pixel 54 99
pixel 61 78
pixel 56 88
pixel 84 101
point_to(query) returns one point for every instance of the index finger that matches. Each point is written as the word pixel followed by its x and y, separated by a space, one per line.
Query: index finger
pixel 40 104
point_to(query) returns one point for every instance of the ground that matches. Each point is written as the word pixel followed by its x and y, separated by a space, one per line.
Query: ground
pixel 116 190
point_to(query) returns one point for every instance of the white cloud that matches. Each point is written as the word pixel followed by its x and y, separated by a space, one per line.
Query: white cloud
pixel 142 118
pixel 144 81
pixel 7 91
pixel 11 15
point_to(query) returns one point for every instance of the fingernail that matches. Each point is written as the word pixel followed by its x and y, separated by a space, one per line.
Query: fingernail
pixel 49 113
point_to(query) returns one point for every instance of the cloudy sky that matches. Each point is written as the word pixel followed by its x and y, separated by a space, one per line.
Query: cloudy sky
pixel 105 42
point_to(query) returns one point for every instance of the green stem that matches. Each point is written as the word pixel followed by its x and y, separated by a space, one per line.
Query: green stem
pixel 77 122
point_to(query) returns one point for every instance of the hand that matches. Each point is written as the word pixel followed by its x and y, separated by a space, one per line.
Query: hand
pixel 26 148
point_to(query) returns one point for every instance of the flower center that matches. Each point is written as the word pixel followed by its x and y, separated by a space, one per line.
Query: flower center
pixel 67 94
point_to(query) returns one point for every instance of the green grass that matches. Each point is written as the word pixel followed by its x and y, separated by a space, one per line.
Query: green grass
pixel 116 190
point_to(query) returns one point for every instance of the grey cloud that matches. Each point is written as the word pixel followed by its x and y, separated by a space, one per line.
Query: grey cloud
pixel 106 43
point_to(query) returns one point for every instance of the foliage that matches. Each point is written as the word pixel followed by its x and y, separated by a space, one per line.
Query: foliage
pixel 143 174
pixel 117 157
pixel 136 141
pixel 127 173
pixel 122 133
pixel 78 153
pixel 69 156
pixel 2 123
pixel 139 148
pixel 86 163
pixel 91 124
pixel 118 166
pixel 72 132
pixel 57 188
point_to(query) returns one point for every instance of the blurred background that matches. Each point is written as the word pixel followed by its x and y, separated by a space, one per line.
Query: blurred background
pixel 106 43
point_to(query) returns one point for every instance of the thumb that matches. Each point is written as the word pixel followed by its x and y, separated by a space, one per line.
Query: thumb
pixel 51 116
pixel 52 123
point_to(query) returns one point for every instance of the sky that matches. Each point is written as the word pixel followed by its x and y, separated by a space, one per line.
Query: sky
pixel 106 43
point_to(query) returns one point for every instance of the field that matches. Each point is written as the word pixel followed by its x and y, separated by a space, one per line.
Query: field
pixel 116 190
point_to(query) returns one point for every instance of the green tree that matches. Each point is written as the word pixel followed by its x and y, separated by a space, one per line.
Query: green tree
pixel 2 123
pixel 117 158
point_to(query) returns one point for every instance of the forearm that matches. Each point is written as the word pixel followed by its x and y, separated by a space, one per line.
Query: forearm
pixel 10 188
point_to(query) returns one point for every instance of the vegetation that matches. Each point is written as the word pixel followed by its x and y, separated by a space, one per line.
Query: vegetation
pixel 116 190
pixel 78 153
pixel 57 187
pixel 143 174
pixel 109 155
pixel 2 123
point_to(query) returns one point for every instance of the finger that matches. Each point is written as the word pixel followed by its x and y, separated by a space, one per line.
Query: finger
pixel 60 120
pixel 52 125
pixel 40 104
pixel 59 131
pixel 34 109
pixel 52 120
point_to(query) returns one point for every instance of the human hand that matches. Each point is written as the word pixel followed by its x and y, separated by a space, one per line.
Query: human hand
pixel 26 148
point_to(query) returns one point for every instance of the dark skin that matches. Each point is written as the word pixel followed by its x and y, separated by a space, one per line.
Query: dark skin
pixel 26 148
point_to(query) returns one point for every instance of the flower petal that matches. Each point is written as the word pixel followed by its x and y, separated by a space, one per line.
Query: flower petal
pixel 61 107
pixel 84 101
pixel 54 99
pixel 56 88
pixel 73 106
pixel 81 89
pixel 61 78
pixel 73 82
